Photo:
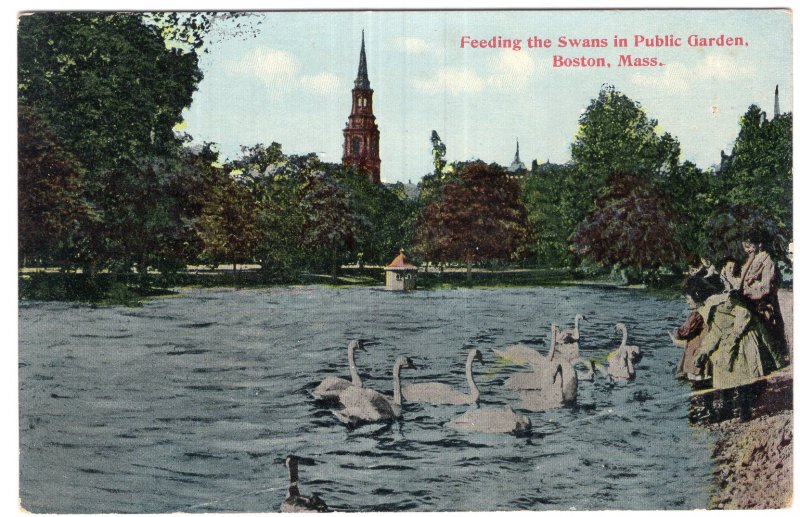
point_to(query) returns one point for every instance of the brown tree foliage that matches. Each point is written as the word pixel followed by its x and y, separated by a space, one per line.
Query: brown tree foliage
pixel 51 208
pixel 631 225
pixel 479 217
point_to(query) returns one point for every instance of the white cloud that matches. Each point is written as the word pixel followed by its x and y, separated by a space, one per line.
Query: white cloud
pixel 681 78
pixel 322 84
pixel 512 70
pixel 276 68
pixel 451 80
pixel 413 45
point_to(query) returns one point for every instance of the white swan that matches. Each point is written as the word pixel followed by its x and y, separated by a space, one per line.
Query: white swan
pixel 568 341
pixel 486 420
pixel 331 387
pixel 534 380
pixel 441 393
pixel 622 360
pixel 364 405
pixel 519 354
pixel 561 389
pixel 296 503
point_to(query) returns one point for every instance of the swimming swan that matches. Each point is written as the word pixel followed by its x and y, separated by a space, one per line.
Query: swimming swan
pixel 561 389
pixel 621 361
pixel 296 503
pixel 568 341
pixel 534 380
pixel 441 393
pixel 364 405
pixel 331 387
pixel 487 420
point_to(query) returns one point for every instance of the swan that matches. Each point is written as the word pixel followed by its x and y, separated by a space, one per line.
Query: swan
pixel 519 354
pixel 365 405
pixel 533 380
pixel 441 393
pixel 621 361
pixel 569 340
pixel 331 387
pixel 561 389
pixel 296 503
pixel 486 420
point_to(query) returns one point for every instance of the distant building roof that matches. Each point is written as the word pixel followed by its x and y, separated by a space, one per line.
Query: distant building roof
pixel 401 262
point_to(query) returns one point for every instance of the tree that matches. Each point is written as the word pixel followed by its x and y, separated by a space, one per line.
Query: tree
pixel 228 224
pixel 52 212
pixel 632 225
pixel 614 134
pixel 759 174
pixel 112 88
pixel 547 197
pixel 479 217
pixel 729 227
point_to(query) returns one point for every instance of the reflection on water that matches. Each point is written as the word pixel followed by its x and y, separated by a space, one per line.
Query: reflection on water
pixel 190 404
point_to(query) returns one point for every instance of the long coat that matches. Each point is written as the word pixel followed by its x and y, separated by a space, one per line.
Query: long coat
pixel 737 343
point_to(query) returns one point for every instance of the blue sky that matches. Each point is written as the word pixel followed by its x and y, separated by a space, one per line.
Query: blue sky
pixel 291 82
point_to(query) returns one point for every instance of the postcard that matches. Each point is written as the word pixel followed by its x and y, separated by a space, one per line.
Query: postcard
pixel 405 260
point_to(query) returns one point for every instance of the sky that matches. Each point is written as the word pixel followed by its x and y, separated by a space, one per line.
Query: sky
pixel 290 82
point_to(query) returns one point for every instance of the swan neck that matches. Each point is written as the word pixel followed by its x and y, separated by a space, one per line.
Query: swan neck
pixel 624 336
pixel 473 389
pixel 294 491
pixel 552 351
pixel 356 380
pixel 398 397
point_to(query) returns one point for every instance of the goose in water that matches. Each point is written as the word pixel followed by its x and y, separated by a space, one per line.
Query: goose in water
pixel 364 405
pixel 441 393
pixel 331 387
pixel 296 503
pixel 621 361
pixel 488 420
pixel 534 380
pixel 568 341
pixel 561 389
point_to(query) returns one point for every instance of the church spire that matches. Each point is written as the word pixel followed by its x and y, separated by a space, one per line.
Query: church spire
pixel 362 79
pixel 777 106
pixel 516 155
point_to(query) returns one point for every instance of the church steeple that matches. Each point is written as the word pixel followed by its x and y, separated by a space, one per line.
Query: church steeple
pixel 516 167
pixel 516 155
pixel 362 79
pixel 777 106
pixel 361 135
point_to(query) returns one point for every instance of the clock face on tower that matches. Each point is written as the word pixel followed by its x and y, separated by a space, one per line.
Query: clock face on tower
pixel 361 135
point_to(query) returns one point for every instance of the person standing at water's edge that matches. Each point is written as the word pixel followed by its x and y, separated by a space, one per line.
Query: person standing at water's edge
pixel 759 286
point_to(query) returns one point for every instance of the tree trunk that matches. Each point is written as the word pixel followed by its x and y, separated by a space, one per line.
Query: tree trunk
pixel 235 277
pixel 335 268
pixel 469 272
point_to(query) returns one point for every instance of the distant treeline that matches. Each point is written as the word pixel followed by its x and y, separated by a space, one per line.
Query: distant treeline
pixel 107 183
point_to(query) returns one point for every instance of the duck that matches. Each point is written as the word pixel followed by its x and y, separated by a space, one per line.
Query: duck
pixel 296 503
pixel 568 340
pixel 365 405
pixel 441 393
pixel 621 361
pixel 332 387
pixel 491 420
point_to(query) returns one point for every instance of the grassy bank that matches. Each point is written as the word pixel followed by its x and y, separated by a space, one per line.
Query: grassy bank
pixel 131 289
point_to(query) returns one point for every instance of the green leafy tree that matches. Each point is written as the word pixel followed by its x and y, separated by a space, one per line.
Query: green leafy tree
pixel 479 217
pixel 614 134
pixel 547 195
pixel 632 226
pixel 112 88
pixel 759 174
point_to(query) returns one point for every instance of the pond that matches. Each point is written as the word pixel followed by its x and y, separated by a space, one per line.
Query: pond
pixel 191 403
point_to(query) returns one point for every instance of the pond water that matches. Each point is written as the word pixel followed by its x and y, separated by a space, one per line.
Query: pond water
pixel 191 403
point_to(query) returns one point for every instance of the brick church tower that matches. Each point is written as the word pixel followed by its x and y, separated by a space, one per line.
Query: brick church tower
pixel 361 135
